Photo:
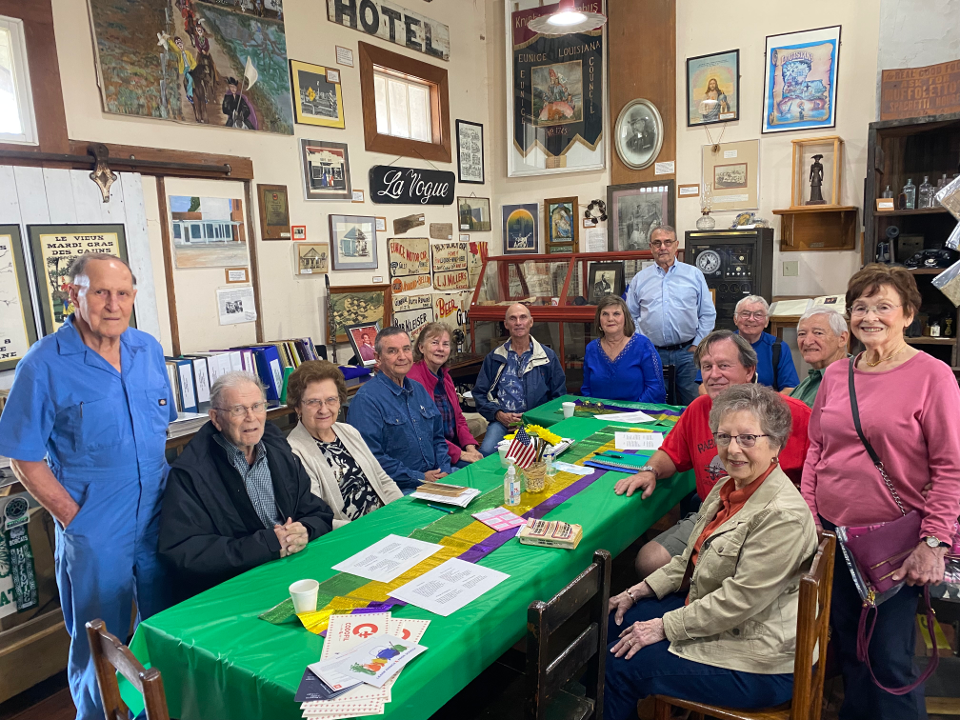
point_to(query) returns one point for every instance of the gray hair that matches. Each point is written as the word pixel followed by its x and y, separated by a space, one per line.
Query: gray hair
pixel 233 379
pixel 838 323
pixel 663 227
pixel 750 300
pixel 747 355
pixel 79 265
pixel 770 409
pixel 388 332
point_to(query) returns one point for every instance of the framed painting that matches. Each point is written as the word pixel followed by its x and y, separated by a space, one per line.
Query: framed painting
pixel 474 213
pixel 317 98
pixel 326 170
pixel 520 229
pixel 54 248
pixel 362 337
pixel 355 305
pixel 470 152
pixel 207 231
pixel 713 88
pixel 800 80
pixel 731 175
pixel 605 279
pixel 18 331
pixel 274 212
pixel 560 223
pixel 312 258
pixel 353 242
pixel 636 210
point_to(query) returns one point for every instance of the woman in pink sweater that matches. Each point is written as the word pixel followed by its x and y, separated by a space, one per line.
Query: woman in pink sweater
pixel 909 406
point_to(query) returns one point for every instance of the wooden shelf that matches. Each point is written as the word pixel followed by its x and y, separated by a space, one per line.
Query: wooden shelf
pixel 931 341
pixel 814 209
pixel 904 213
pixel 926 271
pixel 818 227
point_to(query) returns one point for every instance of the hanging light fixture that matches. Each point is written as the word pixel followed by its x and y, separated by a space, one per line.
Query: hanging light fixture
pixel 567 20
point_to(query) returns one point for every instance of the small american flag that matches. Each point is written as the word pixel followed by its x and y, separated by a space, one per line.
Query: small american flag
pixel 523 449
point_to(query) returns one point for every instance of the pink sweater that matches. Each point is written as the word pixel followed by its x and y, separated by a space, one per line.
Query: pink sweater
pixel 911 416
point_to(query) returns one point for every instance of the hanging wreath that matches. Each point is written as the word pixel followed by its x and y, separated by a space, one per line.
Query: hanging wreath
pixel 596 212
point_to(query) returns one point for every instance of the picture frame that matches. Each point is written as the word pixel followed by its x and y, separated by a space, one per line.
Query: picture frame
pixel 635 210
pixel 362 337
pixel 326 170
pixel 357 304
pixel 604 279
pixel 353 242
pixel 638 134
pixel 474 213
pixel 312 258
pixel 470 168
pixel 18 329
pixel 731 174
pixel 317 97
pixel 54 247
pixel 520 225
pixel 800 80
pixel 560 224
pixel 274 205
pixel 713 88
pixel 299 232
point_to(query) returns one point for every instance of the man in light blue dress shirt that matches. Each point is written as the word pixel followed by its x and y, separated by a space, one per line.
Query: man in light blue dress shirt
pixel 671 304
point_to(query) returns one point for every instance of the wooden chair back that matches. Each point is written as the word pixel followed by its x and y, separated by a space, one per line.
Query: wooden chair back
pixel 548 671
pixel 670 383
pixel 111 656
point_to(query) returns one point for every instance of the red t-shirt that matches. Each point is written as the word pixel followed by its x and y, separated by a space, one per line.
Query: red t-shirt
pixel 690 444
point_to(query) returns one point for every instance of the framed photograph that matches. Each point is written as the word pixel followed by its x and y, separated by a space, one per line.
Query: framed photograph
pixel 54 247
pixel 605 279
pixel 358 304
pixel 353 240
pixel 326 170
pixel 299 232
pixel 274 212
pixel 636 210
pixel 800 80
pixel 312 258
pixel 638 135
pixel 470 152
pixel 713 88
pixel 560 222
pixel 17 328
pixel 362 337
pixel 520 229
pixel 317 99
pixel 474 213
pixel 731 175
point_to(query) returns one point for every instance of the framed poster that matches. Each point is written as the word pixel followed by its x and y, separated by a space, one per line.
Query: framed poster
pixel 560 222
pixel 800 80
pixel 470 152
pixel 274 212
pixel 326 170
pixel 732 172
pixel 353 242
pixel 713 88
pixel 605 279
pixel 520 229
pixel 555 103
pixel 362 337
pixel 312 258
pixel 636 210
pixel 317 99
pixel 17 328
pixel 355 304
pixel 474 213
pixel 54 247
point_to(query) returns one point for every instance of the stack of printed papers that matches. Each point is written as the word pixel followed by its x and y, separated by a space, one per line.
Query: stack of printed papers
pixel 447 494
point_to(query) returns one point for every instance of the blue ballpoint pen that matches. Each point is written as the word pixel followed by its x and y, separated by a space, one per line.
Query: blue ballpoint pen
pixel 441 509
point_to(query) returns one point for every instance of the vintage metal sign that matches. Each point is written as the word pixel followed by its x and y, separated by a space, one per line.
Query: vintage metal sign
pixel 456 280
pixel 392 185
pixel 409 256
pixel 918 92
pixel 405 303
pixel 449 256
pixel 410 283
pixel 394 23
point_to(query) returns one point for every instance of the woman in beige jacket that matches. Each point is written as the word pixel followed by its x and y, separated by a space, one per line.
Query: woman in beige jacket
pixel 731 639
pixel 341 467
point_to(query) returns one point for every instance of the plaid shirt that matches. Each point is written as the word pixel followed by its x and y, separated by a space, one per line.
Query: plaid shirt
pixel 256 478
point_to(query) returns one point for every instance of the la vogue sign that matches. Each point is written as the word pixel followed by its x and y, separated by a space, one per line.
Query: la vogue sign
pixel 392 185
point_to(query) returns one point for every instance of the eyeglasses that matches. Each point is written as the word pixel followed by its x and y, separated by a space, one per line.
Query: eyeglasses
pixel 239 411
pixel 759 315
pixel 662 243
pixel 880 309
pixel 744 440
pixel 315 403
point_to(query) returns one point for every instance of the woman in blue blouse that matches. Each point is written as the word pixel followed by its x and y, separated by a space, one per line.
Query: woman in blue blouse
pixel 621 364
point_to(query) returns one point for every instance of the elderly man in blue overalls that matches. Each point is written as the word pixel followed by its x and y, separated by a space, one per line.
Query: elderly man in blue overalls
pixel 85 426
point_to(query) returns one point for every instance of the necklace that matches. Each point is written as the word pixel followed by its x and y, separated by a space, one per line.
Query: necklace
pixel 888 357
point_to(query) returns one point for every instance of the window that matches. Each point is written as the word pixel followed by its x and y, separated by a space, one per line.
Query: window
pixel 403 106
pixel 17 121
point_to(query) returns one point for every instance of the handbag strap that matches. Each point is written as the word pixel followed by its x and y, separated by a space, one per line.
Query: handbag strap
pixel 877 462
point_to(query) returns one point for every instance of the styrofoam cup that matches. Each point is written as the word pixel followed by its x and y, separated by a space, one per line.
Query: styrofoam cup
pixel 304 595
pixel 568 408
pixel 502 448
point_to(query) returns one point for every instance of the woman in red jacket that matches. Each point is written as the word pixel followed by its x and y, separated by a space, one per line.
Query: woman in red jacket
pixel 431 353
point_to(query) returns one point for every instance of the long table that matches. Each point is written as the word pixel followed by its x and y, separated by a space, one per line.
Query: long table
pixel 219 660
pixel 552 412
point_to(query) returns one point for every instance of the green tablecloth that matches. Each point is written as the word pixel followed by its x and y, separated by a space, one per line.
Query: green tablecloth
pixel 219 660
pixel 552 412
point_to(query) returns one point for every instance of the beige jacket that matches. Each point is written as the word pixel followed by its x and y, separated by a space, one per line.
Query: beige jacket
pixel 322 481
pixel 744 592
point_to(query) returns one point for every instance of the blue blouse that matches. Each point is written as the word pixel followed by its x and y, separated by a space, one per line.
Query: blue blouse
pixel 635 375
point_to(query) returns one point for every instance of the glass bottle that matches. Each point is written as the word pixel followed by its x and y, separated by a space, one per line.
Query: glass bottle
pixel 888 193
pixel 910 195
pixel 926 193
pixel 942 182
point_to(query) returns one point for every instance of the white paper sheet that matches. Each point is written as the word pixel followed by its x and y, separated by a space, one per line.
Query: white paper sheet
pixel 637 416
pixel 388 559
pixel 373 661
pixel 638 440
pixel 447 588
pixel 236 305
pixel 575 469
pixel 595 240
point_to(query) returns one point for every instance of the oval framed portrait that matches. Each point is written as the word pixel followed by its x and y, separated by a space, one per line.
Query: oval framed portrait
pixel 639 134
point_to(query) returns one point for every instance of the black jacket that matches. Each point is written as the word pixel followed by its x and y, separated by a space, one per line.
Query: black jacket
pixel 209 530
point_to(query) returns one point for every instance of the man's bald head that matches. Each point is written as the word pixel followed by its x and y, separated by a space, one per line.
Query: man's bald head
pixel 78 268
pixel 102 290
pixel 518 322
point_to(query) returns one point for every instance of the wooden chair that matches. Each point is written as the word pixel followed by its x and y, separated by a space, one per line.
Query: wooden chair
pixel 111 656
pixel 813 626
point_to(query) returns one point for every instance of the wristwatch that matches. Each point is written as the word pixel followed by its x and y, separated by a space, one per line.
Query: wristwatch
pixel 648 468
pixel 934 542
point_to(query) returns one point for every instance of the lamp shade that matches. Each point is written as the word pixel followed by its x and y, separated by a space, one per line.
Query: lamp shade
pixel 566 20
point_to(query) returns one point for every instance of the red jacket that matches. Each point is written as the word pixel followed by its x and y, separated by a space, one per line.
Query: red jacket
pixel 421 373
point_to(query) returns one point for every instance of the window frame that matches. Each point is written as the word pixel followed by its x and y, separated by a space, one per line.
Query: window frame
pixel 23 87
pixel 439 148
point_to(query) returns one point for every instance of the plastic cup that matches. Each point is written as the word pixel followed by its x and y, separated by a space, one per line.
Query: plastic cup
pixel 502 448
pixel 304 595
pixel 568 408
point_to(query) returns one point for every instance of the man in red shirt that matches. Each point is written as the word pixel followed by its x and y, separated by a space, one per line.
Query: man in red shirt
pixel 725 359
